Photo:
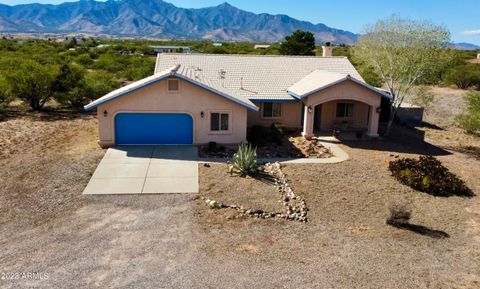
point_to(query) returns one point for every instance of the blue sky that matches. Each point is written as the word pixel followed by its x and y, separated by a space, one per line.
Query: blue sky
pixel 462 17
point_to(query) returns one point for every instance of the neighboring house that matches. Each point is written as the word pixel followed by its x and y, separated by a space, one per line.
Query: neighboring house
pixel 261 46
pixel 201 98
pixel 171 49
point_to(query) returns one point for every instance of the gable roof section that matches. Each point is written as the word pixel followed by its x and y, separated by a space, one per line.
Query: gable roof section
pixel 258 78
pixel 179 72
pixel 319 80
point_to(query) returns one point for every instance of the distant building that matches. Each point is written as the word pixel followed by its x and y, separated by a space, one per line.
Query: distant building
pixel 102 46
pixel 478 56
pixel 217 44
pixel 262 46
pixel 171 49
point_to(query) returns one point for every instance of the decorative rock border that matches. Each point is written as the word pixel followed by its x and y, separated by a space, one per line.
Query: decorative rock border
pixel 295 206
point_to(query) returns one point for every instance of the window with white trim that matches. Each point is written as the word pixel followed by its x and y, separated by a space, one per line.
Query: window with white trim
pixel 344 110
pixel 219 121
pixel 272 109
pixel 173 85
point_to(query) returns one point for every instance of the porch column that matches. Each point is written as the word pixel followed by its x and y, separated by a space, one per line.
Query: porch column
pixel 373 122
pixel 308 118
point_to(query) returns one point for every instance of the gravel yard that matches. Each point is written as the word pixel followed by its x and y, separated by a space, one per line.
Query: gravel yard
pixel 177 241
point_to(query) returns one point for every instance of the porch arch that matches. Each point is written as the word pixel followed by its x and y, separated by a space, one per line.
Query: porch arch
pixel 346 91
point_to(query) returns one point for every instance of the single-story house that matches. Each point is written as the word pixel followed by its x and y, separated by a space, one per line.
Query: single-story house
pixel 202 98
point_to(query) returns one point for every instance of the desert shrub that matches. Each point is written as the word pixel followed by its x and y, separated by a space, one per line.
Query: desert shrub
pixel 258 135
pixel 33 82
pixel 75 87
pixel 423 96
pixel 400 214
pixel 277 131
pixel 463 76
pixel 84 59
pixel 244 161
pixel 428 175
pixel 470 119
pixel 5 96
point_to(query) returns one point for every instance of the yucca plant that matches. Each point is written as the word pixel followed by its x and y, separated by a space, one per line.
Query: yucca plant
pixel 244 161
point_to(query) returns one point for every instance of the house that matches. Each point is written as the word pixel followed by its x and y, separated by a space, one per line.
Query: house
pixel 478 56
pixel 202 98
pixel 170 49
pixel 261 46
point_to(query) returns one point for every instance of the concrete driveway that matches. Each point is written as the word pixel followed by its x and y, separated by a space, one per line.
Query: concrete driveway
pixel 146 170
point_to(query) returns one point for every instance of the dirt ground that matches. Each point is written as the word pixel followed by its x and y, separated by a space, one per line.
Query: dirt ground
pixel 176 241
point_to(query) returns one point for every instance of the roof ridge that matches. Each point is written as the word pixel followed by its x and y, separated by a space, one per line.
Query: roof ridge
pixel 252 55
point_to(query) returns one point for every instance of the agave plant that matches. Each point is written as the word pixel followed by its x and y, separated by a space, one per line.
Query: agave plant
pixel 244 161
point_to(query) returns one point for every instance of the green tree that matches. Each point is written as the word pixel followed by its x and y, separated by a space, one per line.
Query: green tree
pixel 5 95
pixel 402 52
pixel 33 83
pixel 470 119
pixel 299 43
pixel 463 76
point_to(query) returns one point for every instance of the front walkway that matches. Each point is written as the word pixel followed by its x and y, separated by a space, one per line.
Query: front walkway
pixel 146 170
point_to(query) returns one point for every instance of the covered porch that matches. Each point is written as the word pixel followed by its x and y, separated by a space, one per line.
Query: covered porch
pixel 339 102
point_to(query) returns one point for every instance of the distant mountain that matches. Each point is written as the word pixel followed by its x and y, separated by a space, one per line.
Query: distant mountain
pixel 156 18
pixel 465 46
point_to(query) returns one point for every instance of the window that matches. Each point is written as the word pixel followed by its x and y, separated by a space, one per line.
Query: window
pixel 219 121
pixel 172 84
pixel 272 109
pixel 344 110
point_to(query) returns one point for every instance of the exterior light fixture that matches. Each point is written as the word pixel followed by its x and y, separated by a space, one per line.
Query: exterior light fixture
pixel 379 109
pixel 310 109
pixel 202 114
pixel 105 113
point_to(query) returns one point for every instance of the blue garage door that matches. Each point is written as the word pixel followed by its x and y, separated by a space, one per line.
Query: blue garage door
pixel 153 128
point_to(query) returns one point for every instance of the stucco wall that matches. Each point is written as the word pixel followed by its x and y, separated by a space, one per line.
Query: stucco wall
pixel 345 91
pixel 328 115
pixel 291 116
pixel 190 99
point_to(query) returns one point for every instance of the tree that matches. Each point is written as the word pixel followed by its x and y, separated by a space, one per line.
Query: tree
pixel 5 96
pixel 299 43
pixel 470 119
pixel 463 76
pixel 33 83
pixel 402 51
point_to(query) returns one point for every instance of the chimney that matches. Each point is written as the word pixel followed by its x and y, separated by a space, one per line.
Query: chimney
pixel 327 49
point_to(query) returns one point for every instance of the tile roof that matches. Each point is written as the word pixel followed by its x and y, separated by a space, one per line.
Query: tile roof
pixel 318 80
pixel 255 77
pixel 181 72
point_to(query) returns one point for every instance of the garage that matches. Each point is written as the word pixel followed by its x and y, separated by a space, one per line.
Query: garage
pixel 153 128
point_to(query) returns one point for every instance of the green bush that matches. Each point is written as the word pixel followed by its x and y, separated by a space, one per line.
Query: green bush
pixel 244 161
pixel 33 82
pixel 277 131
pixel 463 76
pixel 84 59
pixel 5 96
pixel 428 175
pixel 470 120
pixel 258 135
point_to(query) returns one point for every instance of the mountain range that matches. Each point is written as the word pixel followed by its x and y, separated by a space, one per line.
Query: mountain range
pixel 157 18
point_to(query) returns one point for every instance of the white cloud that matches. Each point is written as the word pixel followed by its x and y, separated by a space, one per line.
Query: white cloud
pixel 471 32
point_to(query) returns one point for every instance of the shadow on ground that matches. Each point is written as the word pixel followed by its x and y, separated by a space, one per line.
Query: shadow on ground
pixel 401 140
pixel 422 230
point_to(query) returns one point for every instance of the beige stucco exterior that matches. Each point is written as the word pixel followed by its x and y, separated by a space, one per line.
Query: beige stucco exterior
pixel 196 101
pixel 344 91
pixel 291 115
pixel 190 99
pixel 328 120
